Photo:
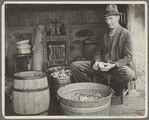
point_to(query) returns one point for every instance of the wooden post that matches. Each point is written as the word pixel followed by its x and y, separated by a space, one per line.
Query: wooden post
pixel 38 59
pixel 129 16
pixel 6 16
pixel 129 26
pixel 68 50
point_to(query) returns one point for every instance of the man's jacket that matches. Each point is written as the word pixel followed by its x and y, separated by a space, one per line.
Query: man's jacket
pixel 121 51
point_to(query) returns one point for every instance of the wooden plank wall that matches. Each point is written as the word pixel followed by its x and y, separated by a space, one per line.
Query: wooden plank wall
pixel 66 17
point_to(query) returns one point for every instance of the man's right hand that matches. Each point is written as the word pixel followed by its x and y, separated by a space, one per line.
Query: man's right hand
pixel 98 65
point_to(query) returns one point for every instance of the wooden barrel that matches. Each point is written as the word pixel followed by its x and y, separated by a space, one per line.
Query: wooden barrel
pixel 96 107
pixel 30 94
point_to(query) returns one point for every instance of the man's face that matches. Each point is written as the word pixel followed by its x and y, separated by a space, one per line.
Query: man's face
pixel 112 21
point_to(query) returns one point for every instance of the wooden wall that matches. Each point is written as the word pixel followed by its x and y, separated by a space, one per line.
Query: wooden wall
pixel 66 17
pixel 31 15
pixel 24 18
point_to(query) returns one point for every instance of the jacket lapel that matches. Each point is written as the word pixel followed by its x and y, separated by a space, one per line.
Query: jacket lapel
pixel 116 37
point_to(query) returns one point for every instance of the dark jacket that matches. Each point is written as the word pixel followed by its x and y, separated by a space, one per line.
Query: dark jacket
pixel 122 48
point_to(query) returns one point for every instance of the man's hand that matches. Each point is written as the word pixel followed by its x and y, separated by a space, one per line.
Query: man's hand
pixel 103 66
pixel 107 67
pixel 98 65
pixel 95 66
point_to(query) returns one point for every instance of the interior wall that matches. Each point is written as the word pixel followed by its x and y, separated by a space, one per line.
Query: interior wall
pixel 66 17
pixel 138 30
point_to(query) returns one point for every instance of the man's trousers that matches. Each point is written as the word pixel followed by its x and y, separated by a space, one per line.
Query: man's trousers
pixel 82 70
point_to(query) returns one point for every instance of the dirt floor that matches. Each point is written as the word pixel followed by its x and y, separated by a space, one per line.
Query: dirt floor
pixel 140 87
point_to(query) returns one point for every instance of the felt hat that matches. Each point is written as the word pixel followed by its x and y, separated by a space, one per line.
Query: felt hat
pixel 111 10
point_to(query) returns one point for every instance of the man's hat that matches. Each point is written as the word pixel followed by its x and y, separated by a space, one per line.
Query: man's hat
pixel 111 10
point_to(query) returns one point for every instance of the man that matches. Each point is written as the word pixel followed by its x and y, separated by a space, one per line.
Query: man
pixel 113 55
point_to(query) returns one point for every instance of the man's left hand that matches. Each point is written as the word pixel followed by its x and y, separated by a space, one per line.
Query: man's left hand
pixel 107 67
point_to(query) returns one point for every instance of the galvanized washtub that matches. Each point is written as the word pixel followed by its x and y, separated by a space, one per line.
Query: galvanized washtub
pixel 71 107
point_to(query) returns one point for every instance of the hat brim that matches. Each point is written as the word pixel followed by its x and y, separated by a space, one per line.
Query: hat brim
pixel 111 14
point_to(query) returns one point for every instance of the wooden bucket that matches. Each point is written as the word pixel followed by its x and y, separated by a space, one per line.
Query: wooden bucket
pixel 23 47
pixel 30 94
pixel 97 107
pixel 57 83
pixel 62 82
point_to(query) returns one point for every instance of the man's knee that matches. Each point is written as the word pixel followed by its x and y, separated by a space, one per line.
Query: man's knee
pixel 128 72
pixel 74 64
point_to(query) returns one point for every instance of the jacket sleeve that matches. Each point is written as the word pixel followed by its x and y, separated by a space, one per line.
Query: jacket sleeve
pixel 97 54
pixel 127 52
